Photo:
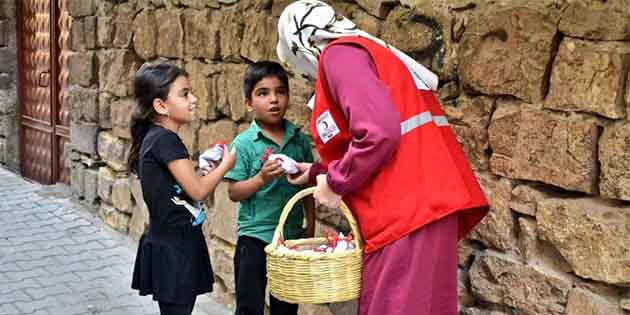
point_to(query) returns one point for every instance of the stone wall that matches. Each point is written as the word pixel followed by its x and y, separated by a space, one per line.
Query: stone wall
pixel 9 151
pixel 536 91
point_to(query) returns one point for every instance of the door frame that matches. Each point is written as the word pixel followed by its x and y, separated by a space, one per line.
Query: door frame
pixel 53 130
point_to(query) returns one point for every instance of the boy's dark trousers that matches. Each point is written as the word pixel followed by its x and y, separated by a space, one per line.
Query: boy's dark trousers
pixel 250 274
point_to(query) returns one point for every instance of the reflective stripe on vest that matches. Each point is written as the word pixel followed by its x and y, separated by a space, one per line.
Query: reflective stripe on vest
pixel 421 119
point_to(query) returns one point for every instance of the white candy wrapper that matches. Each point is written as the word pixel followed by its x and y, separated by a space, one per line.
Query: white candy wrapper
pixel 288 164
pixel 215 153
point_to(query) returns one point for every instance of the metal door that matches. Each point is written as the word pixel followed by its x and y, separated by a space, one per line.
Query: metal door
pixel 44 118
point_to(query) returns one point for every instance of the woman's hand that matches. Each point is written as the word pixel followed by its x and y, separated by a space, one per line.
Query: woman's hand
pixel 301 177
pixel 324 195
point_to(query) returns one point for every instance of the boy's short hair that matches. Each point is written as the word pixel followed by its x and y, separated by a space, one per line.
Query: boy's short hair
pixel 260 70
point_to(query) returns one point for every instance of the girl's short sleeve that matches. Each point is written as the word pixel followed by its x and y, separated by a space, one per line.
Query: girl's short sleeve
pixel 169 147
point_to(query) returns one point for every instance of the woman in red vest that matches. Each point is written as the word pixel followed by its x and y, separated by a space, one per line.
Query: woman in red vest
pixel 387 150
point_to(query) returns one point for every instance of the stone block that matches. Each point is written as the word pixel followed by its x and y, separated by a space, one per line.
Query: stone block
pixel 366 22
pixel 77 175
pixel 106 179
pixel 82 68
pixel 496 230
pixel 78 8
pixel 201 31
pixel 121 112
pixel 7 9
pixel 4 33
pixel 170 33
pixel 123 24
pixel 189 133
pixel 259 37
pixel 145 34
pixel 469 118
pixel 614 159
pixel 83 33
pixel 139 222
pixel 202 86
pixel 222 130
pixel 596 20
pixel 231 35
pixel 222 257
pixel 115 219
pixel 592 235
pixel 534 144
pixel 502 280
pixel 84 104
pixel 114 151
pixel 83 137
pixel 508 51
pixel 300 92
pixel 90 186
pixel 116 71
pixel 466 253
pixel 465 297
pixel 583 302
pixel 3 150
pixel 590 77
pixel 105 31
pixel 222 215
pixel 378 8
pixel 525 198
pixel 408 32
pixel 105 101
pixel 136 189
pixel 230 100
pixel 477 311
pixel 8 60
pixel 121 195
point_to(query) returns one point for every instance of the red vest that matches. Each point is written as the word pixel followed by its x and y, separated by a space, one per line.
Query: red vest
pixel 428 176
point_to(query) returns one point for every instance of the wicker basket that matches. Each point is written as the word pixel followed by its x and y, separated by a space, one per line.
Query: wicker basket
pixel 307 277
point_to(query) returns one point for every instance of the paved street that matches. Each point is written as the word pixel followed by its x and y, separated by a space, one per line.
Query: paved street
pixel 57 258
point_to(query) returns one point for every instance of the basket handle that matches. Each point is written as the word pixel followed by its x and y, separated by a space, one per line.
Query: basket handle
pixel 354 227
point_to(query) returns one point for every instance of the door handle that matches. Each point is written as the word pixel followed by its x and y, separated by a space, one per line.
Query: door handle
pixel 44 79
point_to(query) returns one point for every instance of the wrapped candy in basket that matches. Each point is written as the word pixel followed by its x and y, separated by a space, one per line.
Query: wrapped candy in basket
pixel 315 270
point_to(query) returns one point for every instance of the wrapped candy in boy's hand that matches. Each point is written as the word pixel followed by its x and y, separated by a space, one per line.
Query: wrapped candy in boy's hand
pixel 214 154
pixel 288 164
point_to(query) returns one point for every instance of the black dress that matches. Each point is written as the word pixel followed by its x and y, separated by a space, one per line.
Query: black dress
pixel 172 262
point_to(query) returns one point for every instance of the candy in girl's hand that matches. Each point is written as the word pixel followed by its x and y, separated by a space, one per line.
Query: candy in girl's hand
pixel 288 164
pixel 215 153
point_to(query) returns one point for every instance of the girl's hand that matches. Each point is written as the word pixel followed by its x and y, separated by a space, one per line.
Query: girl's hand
pixel 301 177
pixel 270 171
pixel 206 170
pixel 324 195
pixel 228 159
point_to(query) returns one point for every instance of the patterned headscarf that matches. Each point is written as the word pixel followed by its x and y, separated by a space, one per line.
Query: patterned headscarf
pixel 307 26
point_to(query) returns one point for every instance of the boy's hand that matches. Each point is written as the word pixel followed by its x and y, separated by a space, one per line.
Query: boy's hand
pixel 301 177
pixel 270 171
pixel 228 159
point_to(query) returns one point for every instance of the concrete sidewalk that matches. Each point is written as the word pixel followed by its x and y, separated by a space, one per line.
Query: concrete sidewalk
pixel 57 258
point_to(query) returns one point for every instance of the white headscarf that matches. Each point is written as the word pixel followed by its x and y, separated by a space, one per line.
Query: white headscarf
pixel 307 26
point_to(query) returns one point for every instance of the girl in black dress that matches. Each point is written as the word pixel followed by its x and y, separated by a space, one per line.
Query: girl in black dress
pixel 172 262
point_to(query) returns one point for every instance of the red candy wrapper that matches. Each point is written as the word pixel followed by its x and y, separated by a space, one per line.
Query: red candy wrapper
pixel 266 154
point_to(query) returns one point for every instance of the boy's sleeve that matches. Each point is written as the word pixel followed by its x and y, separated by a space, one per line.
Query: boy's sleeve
pixel 240 171
pixel 169 147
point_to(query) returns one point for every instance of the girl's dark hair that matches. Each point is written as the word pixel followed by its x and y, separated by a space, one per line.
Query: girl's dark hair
pixel 150 82
pixel 260 70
